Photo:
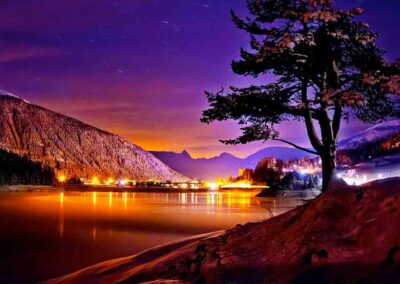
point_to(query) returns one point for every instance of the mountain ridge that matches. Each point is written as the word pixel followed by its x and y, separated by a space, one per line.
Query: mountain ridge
pixel 72 147
pixel 371 134
pixel 224 164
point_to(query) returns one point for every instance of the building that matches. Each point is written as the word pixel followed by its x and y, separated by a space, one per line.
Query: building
pixel 245 174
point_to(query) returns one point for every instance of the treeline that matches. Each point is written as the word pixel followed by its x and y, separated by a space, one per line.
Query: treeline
pixel 15 169
pixel 274 176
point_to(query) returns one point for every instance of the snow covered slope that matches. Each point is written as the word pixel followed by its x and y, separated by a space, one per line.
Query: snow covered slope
pixel 375 133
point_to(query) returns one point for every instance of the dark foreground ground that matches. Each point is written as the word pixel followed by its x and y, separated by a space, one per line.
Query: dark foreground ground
pixel 346 235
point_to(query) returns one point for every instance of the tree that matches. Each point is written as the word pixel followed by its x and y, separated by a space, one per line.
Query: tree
pixel 327 68
pixel 264 172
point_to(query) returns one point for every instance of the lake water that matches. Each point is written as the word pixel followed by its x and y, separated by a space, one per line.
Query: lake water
pixel 49 234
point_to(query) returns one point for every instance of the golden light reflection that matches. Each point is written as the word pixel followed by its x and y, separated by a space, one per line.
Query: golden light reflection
pixel 110 199
pixel 61 219
pixel 94 232
pixel 183 198
pixel 211 198
pixel 94 199
pixel 125 200
pixel 245 200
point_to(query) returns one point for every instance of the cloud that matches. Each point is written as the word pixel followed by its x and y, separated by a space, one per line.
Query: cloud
pixel 19 53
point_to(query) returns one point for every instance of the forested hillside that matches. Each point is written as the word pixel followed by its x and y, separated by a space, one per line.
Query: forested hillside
pixel 15 169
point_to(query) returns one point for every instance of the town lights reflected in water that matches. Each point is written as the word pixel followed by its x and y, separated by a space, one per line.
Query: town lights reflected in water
pixel 76 229
pixel 224 199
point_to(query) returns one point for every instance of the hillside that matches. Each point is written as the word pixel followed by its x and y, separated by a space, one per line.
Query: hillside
pixel 224 164
pixel 371 135
pixel 71 147
pixel 346 235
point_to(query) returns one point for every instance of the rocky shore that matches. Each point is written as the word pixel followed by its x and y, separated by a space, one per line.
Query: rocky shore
pixel 345 235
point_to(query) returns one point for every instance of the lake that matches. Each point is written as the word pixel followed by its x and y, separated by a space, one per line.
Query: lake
pixel 49 234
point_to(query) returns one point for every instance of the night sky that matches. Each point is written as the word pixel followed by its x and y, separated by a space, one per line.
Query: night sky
pixel 138 68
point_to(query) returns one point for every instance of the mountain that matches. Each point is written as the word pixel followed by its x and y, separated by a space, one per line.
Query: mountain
pixel 71 147
pixel 224 164
pixel 283 153
pixel 206 169
pixel 376 133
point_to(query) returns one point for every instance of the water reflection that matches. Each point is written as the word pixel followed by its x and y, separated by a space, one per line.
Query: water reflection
pixel 61 227
pixel 82 228
pixel 224 199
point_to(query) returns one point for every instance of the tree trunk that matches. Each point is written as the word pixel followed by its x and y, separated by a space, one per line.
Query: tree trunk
pixel 328 159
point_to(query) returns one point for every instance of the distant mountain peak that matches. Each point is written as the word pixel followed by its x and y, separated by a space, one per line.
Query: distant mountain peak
pixel 226 155
pixel 186 154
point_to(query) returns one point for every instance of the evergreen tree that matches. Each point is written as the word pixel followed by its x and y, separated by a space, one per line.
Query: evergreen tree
pixel 327 67
pixel 15 169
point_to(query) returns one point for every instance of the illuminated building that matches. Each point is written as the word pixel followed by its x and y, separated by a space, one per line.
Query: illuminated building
pixel 245 173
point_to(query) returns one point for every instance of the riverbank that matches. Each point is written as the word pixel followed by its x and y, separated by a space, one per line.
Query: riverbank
pixel 346 235
pixel 19 188
pixel 299 194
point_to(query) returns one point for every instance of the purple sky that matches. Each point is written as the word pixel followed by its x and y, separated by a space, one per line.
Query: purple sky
pixel 139 68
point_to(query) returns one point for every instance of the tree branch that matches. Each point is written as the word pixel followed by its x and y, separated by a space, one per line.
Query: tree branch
pixel 299 112
pixel 296 146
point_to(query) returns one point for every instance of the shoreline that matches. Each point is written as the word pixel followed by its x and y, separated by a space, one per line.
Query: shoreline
pixel 104 188
pixel 111 269
pixel 25 188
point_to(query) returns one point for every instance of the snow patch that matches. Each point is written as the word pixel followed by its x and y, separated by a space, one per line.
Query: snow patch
pixel 7 94
pixel 375 133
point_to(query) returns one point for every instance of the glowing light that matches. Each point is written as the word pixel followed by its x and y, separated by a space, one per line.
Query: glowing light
pixel 184 185
pixel 110 181
pixel 62 178
pixel 239 184
pixel 95 180
pixel 122 182
pixel 212 186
